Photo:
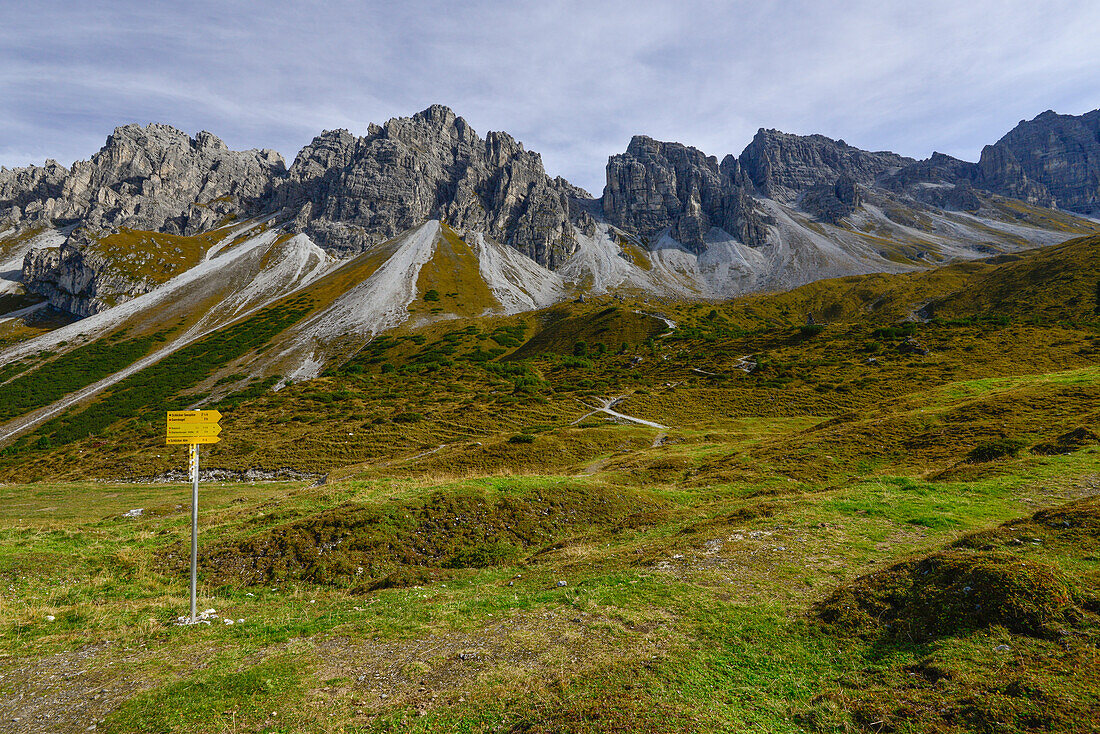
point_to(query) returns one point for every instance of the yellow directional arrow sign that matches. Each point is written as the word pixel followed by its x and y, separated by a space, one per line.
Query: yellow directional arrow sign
pixel 176 417
pixel 192 426
pixel 180 430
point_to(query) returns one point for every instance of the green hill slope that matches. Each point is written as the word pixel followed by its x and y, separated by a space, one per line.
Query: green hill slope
pixel 884 520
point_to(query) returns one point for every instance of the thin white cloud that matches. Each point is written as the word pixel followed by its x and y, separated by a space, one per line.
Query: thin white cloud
pixel 572 80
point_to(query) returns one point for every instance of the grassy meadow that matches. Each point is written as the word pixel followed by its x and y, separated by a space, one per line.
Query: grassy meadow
pixel 872 507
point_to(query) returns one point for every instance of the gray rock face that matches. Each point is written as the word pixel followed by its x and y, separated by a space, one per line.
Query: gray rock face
pixel 77 279
pixel 832 202
pixel 348 192
pixel 1002 173
pixel 146 178
pixel 655 185
pixel 959 197
pixel 25 191
pixel 782 165
pixel 151 178
pixel 941 181
pixel 1053 159
pixel 940 168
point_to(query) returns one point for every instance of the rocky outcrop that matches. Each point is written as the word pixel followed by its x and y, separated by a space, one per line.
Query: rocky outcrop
pixel 25 191
pixel 941 181
pixel 149 178
pixel 832 202
pixel 1051 160
pixel 783 166
pixel 348 192
pixel 959 197
pixel 655 186
pixel 1002 173
pixel 78 278
pixel 940 168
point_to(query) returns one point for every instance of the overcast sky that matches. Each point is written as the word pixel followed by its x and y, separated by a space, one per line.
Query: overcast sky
pixel 571 80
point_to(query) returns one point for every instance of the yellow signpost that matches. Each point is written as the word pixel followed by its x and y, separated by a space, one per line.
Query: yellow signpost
pixel 177 417
pixel 179 440
pixel 193 427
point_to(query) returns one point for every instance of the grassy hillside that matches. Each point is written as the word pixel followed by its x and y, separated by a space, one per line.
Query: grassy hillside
pixel 883 520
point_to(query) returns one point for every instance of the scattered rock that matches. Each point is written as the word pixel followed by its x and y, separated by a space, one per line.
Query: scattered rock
pixel 227 475
pixel 204 617
pixel 912 346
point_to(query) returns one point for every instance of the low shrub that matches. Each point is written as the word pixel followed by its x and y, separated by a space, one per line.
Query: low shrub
pixel 996 449
pixel 810 330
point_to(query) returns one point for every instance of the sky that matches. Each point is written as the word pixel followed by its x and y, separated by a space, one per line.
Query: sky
pixel 571 80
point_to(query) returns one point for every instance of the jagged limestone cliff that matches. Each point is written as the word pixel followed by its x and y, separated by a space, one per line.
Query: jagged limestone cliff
pixel 348 192
pixel 788 210
pixel 655 186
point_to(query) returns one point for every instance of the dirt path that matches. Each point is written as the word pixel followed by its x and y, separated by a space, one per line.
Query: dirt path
pixel 607 408
pixel 745 363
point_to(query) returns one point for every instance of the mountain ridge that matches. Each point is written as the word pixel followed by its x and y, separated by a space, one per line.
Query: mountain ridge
pixel 144 222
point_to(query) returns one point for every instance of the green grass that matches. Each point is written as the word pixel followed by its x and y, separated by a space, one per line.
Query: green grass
pixel 152 256
pixel 648 634
pixel 484 557
pixel 153 390
pixel 69 372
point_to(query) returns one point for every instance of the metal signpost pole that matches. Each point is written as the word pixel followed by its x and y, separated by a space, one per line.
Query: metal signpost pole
pixel 193 427
pixel 194 525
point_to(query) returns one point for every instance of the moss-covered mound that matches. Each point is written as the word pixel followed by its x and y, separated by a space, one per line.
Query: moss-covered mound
pixel 1074 527
pixel 1067 443
pixel 993 577
pixel 951 591
pixel 381 544
pixel 1024 598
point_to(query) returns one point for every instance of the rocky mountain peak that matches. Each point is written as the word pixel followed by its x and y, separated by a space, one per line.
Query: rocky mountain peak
pixel 435 126
pixel 154 177
pixel 438 114
pixel 1051 160
pixel 330 149
pixel 657 185
pixel 782 165
pixel 151 137
pixel 24 192
pixel 209 141
pixel 942 181
pixel 349 192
